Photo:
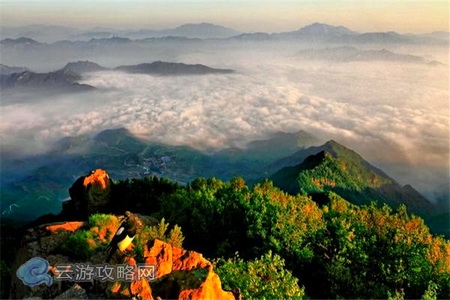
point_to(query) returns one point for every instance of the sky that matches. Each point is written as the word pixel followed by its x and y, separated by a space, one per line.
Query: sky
pixel 247 16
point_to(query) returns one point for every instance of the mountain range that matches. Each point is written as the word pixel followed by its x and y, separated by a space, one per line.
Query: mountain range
pixel 65 79
pixel 171 69
pixel 291 160
pixel 6 70
pixel 316 32
pixel 51 82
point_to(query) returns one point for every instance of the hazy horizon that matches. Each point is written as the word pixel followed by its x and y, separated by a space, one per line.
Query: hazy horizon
pixel 243 16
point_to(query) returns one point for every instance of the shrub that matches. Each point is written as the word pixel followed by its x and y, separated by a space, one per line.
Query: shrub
pixel 174 237
pixel 80 244
pixel 264 278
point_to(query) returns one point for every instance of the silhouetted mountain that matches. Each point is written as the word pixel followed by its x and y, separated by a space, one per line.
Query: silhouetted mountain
pixel 335 168
pixel 22 42
pixel 167 68
pixel 347 54
pixel 324 33
pixel 6 70
pixel 42 33
pixel 169 39
pixel 95 35
pixel 81 67
pixel 110 41
pixel 257 36
pixel 317 31
pixel 439 35
pixel 390 37
pixel 202 30
pixel 46 82
pixel 199 31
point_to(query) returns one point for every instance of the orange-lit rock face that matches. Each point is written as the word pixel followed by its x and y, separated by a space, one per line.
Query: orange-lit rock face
pixel 132 289
pixel 169 259
pixel 99 177
pixel 209 289
pixel 189 260
pixel 161 255
pixel 67 226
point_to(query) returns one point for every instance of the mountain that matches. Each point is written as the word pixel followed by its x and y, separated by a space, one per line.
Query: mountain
pixel 110 41
pixel 31 181
pixel 95 35
pixel 81 67
pixel 42 33
pixel 320 28
pixel 171 69
pixel 6 70
pixel 196 31
pixel 285 158
pixel 318 31
pixel 202 31
pixel 348 54
pixel 256 36
pixel 335 168
pixel 19 43
pixel 339 35
pixel 52 34
pixel 45 82
pixel 439 35
pixel 390 37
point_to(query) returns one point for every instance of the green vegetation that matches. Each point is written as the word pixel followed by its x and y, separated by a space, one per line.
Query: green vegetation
pixel 342 171
pixel 336 250
pixel 288 246
pixel 264 278
pixel 174 237
pixel 84 242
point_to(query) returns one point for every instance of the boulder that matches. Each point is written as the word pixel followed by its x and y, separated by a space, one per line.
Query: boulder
pixel 89 194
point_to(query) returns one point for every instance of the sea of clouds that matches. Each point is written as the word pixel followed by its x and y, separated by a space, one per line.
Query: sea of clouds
pixel 395 115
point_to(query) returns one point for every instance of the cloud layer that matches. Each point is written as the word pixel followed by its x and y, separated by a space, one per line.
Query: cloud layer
pixel 395 115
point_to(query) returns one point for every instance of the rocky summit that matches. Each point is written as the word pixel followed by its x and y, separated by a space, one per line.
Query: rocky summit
pixel 177 273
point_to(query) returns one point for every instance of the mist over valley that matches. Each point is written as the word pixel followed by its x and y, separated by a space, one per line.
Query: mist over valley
pixel 383 95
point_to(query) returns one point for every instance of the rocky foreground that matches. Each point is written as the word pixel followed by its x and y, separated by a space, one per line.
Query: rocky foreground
pixel 179 273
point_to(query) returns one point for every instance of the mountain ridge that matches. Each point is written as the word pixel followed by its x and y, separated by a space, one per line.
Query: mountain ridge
pixel 126 156
pixel 319 32
pixel 171 68
pixel 51 82
pixel 335 168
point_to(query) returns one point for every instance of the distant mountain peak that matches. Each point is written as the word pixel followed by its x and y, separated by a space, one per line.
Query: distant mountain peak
pixel 200 30
pixel 80 67
pixel 52 82
pixel 171 69
pixel 19 41
pixel 7 70
pixel 111 40
pixel 321 28
pixel 197 25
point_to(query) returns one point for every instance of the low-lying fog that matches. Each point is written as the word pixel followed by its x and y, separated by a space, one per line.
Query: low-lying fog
pixel 395 114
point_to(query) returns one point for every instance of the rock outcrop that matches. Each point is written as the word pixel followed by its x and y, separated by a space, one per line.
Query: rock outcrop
pixel 89 194
pixel 179 273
